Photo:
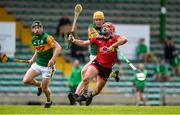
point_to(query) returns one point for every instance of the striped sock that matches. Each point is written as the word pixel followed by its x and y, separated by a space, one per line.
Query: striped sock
pixel 85 91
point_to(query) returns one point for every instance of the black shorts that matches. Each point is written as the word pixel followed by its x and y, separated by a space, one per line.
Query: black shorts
pixel 102 71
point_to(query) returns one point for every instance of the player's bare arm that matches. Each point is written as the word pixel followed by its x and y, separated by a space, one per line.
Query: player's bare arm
pixel 81 42
pixel 57 50
pixel 78 41
pixel 33 58
pixel 121 40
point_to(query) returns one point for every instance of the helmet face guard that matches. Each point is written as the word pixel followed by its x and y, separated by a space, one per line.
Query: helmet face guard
pixel 108 29
pixel 36 23
pixel 37 27
pixel 110 25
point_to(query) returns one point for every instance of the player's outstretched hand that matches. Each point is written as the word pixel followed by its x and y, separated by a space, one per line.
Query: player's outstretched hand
pixel 51 62
pixel 30 61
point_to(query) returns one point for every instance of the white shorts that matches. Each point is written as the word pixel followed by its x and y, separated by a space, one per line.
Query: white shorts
pixel 46 72
pixel 92 57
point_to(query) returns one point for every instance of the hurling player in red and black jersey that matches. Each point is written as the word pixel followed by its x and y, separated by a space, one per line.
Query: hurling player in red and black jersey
pixel 102 65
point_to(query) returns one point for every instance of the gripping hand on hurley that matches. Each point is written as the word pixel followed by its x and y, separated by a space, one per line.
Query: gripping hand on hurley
pixel 71 38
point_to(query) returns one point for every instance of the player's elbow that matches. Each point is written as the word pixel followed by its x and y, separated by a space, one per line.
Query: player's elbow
pixel 26 81
pixel 124 40
pixel 58 48
pixel 83 44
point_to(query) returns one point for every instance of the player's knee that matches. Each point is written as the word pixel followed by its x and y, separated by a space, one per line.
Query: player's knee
pixel 45 89
pixel 86 80
pixel 26 81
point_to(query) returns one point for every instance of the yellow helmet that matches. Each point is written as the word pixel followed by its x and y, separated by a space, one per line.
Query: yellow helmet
pixel 98 14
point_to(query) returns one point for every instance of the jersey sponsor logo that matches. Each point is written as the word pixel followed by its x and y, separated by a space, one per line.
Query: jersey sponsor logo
pixel 39 48
pixel 104 49
pixel 39 45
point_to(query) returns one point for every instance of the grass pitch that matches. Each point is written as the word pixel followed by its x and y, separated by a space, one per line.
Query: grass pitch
pixel 94 109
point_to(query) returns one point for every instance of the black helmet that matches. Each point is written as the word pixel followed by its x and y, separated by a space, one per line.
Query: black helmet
pixel 36 23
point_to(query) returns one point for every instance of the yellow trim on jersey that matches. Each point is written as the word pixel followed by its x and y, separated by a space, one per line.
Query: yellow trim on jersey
pixel 92 33
pixel 50 43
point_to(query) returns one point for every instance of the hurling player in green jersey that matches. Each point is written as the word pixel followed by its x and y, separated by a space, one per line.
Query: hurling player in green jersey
pixel 43 61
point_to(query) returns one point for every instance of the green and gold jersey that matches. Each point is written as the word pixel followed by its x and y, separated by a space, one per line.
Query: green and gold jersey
pixel 93 32
pixel 43 45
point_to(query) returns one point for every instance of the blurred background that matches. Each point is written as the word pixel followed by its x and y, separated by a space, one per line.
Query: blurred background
pixel 152 22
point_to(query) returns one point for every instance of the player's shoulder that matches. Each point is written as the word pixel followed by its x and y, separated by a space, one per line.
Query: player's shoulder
pixel 116 35
pixel 91 26
pixel 93 39
pixel 46 34
pixel 34 37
